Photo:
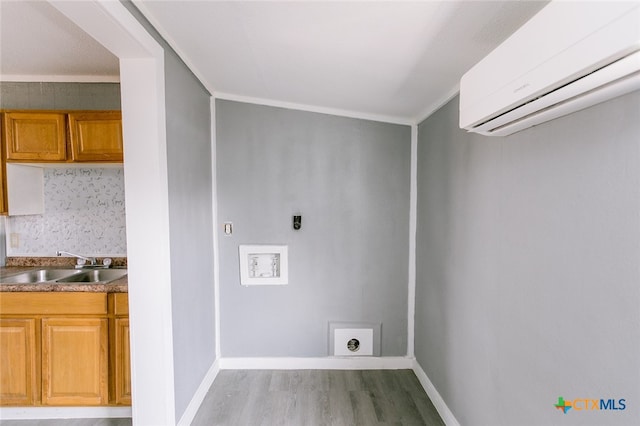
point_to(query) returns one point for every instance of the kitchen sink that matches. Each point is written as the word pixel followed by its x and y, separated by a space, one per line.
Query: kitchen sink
pixel 50 276
pixel 95 276
pixel 39 276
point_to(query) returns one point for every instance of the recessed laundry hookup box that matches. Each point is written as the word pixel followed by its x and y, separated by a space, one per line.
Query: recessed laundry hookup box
pixel 264 264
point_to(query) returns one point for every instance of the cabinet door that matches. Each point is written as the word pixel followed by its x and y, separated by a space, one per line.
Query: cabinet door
pixel 3 189
pixel 35 136
pixel 17 362
pixel 122 373
pixel 3 177
pixel 74 361
pixel 96 136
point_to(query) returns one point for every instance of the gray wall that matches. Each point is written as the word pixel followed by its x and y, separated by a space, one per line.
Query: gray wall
pixel 528 279
pixel 349 179
pixel 190 223
pixel 80 96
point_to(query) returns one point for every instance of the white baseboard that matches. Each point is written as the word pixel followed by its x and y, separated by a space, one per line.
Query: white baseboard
pixel 32 413
pixel 447 416
pixel 325 363
pixel 198 397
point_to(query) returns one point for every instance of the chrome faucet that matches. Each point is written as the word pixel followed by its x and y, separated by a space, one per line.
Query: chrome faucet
pixel 91 260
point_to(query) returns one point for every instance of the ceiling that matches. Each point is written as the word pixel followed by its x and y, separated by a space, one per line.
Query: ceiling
pixel 394 61
pixel 38 43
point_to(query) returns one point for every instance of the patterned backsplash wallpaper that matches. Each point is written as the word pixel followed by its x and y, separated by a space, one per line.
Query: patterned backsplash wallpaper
pixel 83 213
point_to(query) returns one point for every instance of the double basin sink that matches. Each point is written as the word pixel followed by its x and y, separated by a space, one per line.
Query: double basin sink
pixel 49 276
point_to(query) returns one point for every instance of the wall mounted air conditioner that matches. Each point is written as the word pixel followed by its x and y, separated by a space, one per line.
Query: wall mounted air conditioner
pixel 569 56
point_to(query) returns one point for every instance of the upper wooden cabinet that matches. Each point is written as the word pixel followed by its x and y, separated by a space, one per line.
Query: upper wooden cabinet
pixel 62 136
pixel 96 136
pixel 35 136
pixel 3 190
pixel 4 207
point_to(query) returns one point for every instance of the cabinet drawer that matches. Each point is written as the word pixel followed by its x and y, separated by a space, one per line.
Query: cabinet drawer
pixel 119 304
pixel 35 303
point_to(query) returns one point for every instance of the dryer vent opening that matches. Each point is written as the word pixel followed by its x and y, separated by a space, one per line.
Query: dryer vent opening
pixel 354 339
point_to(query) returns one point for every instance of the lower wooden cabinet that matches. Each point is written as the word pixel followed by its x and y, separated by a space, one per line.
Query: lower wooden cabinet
pixel 64 349
pixel 122 363
pixel 74 361
pixel 18 373
pixel 120 385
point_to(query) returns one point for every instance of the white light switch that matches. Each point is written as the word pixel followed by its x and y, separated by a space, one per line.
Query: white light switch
pixel 15 240
pixel 228 228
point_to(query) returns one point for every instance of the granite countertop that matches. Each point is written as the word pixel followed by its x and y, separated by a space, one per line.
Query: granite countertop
pixel 17 265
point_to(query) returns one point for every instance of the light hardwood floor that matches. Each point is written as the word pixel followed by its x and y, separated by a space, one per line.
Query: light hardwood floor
pixel 300 398
pixel 316 397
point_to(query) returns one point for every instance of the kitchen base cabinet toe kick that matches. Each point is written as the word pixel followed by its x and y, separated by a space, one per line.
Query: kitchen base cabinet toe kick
pixel 64 349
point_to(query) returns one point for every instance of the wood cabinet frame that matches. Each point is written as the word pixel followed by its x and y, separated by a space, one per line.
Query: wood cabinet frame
pixel 64 349
pixel 119 349
pixel 4 207
pixel 34 136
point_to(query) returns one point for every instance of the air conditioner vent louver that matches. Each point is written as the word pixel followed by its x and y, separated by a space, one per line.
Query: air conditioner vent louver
pixel 632 81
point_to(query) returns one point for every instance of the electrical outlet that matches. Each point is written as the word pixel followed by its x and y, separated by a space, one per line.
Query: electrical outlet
pixel 15 240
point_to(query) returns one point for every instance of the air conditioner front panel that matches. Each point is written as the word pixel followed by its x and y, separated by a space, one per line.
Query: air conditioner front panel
pixel 557 27
pixel 619 74
pixel 494 86
pixel 614 89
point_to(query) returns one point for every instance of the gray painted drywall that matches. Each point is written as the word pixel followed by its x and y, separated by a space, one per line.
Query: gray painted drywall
pixel 349 179
pixel 191 229
pixel 47 95
pixel 189 163
pixel 527 266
